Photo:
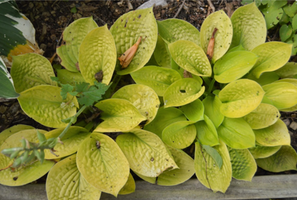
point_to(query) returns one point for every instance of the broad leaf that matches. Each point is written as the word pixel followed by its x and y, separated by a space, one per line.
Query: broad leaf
pixel 207 132
pixel 194 111
pixel 212 106
pixel 12 130
pixel 102 163
pixel 263 151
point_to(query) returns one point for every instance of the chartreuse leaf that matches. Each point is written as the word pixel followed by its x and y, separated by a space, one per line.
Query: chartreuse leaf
pixel 208 172
pixel 180 134
pixel 265 78
pixel 158 78
pixel 182 92
pixel 45 105
pixel 30 70
pixel 244 165
pixel 64 181
pixel 272 56
pixel 119 115
pixel 161 53
pixel 283 160
pixel 233 66
pixel 214 154
pixel 274 135
pixel 97 53
pixel 281 94
pixel 190 57
pixel 289 70
pixel 175 176
pixel 240 97
pixel 172 30
pixel 206 132
pixel 263 151
pixel 127 30
pixel 236 133
pixel 164 117
pixel 71 141
pixel 12 130
pixel 73 36
pixel 223 36
pixel 102 163
pixel 6 84
pixel 194 111
pixel 129 187
pixel 142 97
pixel 146 153
pixel 212 106
pixel 263 116
pixel 249 27
pixel 68 77
pixel 26 174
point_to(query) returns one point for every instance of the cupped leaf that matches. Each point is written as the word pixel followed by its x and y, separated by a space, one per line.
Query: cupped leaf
pixel 64 181
pixel 272 56
pixel 146 153
pixel 142 97
pixel 208 172
pixel 244 165
pixel 71 141
pixel 158 78
pixel 289 70
pixel 44 104
pixel 249 27
pixel 129 187
pixel 182 92
pixel 263 151
pixel 73 36
pixel 179 134
pixel 233 66
pixel 236 133
pixel 102 163
pixel 212 106
pixel 223 37
pixel 6 84
pixel 97 53
pixel 30 70
pixel 240 97
pixel 119 115
pixel 164 117
pixel 68 77
pixel 194 111
pixel 263 116
pixel 161 53
pixel 127 30
pixel 190 57
pixel 206 132
pixel 283 160
pixel 274 135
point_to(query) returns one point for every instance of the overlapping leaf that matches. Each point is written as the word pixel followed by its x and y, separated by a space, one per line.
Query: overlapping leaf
pixel 206 132
pixel 263 151
pixel 194 111
pixel 212 106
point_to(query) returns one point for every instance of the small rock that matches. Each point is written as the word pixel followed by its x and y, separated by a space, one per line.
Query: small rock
pixel 286 121
pixel 293 126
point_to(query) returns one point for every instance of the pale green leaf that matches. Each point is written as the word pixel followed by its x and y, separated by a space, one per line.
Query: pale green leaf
pixel 212 106
pixel 161 53
pixel 263 151
pixel 194 111
pixel 12 130
pixel 129 187
pixel 207 132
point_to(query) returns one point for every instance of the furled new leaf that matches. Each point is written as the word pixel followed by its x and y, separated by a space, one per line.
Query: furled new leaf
pixel 207 132
pixel 263 151
pixel 212 106
pixel 194 111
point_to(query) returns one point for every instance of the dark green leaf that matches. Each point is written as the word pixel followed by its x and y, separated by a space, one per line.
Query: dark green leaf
pixel 285 32
pixel 66 88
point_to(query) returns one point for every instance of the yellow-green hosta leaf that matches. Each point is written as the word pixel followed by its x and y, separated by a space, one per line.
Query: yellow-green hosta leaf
pixel 190 57
pixel 281 94
pixel 263 116
pixel 119 115
pixel 274 135
pixel 129 187
pixel 71 141
pixel 26 174
pixel 97 53
pixel 283 160
pixel 65 182
pixel 244 165
pixel 102 163
pixel 158 78
pixel 212 106
pixel 164 117
pixel 249 27
pixel 223 36
pixel 68 77
pixel 272 56
pixel 180 134
pixel 289 70
pixel 172 30
pixel 161 53
pixel 194 111
pixel 45 105
pixel 291 109
pixel 146 153
pixel 142 97
pixel 263 151
pixel 207 132
pixel 73 36
pixel 288 80
pixel 12 130
pixel 265 78
pixel 240 97
pixel 127 30
pixel 30 70
pixel 182 92
pixel 233 66
pixel 236 133
pixel 207 171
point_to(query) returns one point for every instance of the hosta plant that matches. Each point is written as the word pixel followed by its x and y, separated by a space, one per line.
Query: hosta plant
pixel 214 95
